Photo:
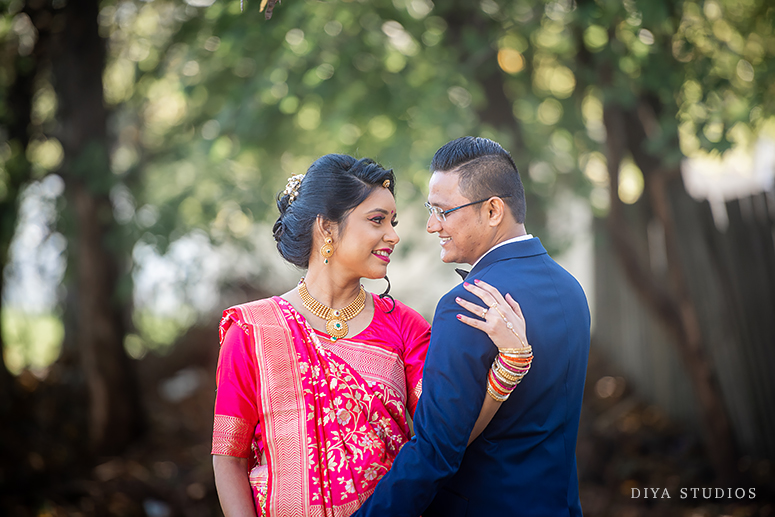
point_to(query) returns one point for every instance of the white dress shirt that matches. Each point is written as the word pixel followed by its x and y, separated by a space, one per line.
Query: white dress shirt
pixel 509 241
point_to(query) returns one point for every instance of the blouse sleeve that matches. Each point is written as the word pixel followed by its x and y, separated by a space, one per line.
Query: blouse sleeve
pixel 236 411
pixel 416 336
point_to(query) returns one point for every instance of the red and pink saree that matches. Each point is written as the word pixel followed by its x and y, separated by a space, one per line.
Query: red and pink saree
pixel 319 421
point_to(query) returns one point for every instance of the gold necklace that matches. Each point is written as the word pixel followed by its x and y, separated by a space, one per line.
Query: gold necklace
pixel 336 319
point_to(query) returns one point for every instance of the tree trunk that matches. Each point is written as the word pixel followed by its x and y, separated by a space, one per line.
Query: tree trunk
pixel 669 297
pixel 115 413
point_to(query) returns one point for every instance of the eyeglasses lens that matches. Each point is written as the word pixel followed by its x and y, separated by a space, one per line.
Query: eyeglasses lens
pixel 435 211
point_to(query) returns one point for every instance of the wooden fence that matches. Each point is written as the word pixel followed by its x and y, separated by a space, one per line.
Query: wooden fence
pixel 732 280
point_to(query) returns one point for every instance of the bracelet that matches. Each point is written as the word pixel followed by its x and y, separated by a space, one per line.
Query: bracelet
pixel 515 361
pixel 514 366
pixel 509 325
pixel 510 375
pixel 519 372
pixel 501 385
pixel 495 396
pixel 500 393
pixel 512 379
pixel 508 369
pixel 502 379
pixel 517 351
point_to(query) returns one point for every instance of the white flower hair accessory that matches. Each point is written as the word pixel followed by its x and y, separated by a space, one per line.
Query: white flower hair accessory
pixel 292 187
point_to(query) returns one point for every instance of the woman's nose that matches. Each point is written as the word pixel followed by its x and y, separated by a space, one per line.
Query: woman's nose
pixel 392 236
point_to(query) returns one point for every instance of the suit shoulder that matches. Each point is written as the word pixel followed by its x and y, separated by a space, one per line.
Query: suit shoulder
pixel 561 274
pixel 448 299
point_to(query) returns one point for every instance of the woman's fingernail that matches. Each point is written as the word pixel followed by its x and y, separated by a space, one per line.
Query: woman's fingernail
pixel 466 284
pixel 457 299
pixel 476 281
pixel 458 316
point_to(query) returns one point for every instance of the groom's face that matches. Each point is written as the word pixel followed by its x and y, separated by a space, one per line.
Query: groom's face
pixel 464 234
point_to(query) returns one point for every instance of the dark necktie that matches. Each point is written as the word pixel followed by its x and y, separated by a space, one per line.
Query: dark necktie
pixel 462 272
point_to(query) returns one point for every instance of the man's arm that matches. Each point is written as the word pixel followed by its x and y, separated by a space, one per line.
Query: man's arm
pixel 454 378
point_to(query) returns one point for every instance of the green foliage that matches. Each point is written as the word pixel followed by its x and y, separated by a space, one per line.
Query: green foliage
pixel 214 108
pixel 157 333
pixel 30 340
pixel 218 107
pixel 234 105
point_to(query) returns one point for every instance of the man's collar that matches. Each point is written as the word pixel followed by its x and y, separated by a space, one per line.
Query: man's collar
pixel 524 246
pixel 508 241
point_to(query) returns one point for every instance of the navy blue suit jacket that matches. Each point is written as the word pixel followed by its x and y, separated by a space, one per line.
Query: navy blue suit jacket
pixel 524 463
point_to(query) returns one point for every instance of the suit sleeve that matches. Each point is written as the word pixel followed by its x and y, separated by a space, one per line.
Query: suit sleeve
pixel 454 387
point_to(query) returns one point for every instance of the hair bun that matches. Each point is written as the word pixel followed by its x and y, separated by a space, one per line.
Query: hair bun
pixel 283 202
pixel 278 229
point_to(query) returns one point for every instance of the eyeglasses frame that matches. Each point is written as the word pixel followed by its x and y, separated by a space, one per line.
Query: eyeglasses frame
pixel 441 215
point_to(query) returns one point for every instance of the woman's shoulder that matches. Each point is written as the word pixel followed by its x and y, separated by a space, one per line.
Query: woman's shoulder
pixel 254 311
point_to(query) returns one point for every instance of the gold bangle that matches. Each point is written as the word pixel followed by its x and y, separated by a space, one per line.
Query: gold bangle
pixel 503 375
pixel 523 349
pixel 499 384
pixel 496 397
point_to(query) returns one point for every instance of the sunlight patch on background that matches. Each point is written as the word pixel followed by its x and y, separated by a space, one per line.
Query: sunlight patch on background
pixel 630 182
pixel 510 60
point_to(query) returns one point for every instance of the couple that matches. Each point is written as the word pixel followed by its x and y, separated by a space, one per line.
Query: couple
pixel 314 387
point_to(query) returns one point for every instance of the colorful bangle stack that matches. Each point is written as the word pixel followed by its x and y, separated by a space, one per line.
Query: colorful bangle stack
pixel 508 369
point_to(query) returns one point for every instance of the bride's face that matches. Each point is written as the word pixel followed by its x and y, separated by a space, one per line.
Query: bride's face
pixel 367 237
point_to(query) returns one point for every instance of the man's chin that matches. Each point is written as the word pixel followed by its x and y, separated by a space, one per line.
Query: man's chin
pixel 447 258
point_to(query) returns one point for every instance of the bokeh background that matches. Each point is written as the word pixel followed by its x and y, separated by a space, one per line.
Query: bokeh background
pixel 143 142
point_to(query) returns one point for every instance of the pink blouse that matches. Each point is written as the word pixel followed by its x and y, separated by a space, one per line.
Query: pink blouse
pixel 388 354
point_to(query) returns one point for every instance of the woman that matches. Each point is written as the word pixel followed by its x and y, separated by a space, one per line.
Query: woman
pixel 312 401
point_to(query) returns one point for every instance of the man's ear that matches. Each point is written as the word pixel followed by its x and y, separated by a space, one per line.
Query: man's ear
pixel 496 210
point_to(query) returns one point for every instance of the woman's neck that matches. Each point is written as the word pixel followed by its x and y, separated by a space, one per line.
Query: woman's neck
pixel 331 289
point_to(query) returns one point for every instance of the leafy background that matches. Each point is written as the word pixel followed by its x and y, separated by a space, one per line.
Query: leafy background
pixel 144 142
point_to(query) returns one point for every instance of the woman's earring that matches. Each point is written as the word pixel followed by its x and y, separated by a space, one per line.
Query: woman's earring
pixel 327 250
pixel 387 295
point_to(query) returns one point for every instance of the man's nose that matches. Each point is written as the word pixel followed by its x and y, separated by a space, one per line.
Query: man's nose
pixel 433 225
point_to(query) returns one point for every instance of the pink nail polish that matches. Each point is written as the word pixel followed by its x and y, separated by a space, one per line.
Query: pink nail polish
pixel 457 299
pixel 458 316
pixel 476 281
pixel 466 284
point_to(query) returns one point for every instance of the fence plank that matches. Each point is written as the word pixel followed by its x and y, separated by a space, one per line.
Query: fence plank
pixel 731 276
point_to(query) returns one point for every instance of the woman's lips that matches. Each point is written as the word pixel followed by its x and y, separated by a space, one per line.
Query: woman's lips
pixel 383 254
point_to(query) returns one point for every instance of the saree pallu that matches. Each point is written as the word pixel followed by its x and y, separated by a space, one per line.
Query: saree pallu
pixel 325 436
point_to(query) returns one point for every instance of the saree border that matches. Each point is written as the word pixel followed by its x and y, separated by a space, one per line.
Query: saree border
pixel 283 413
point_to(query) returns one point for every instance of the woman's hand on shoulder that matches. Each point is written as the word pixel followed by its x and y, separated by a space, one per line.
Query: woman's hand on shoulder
pixel 500 317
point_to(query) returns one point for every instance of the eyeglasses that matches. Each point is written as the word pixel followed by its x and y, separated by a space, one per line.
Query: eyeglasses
pixel 441 215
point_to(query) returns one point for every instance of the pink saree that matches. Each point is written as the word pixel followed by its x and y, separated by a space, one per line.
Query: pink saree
pixel 319 421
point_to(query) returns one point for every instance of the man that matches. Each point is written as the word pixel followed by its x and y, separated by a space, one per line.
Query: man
pixel 524 462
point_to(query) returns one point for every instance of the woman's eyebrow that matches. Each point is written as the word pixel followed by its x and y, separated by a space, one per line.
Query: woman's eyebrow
pixel 379 210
